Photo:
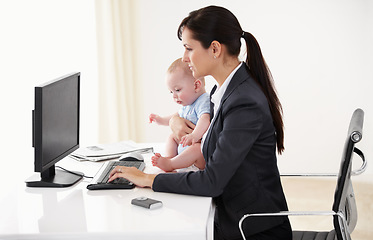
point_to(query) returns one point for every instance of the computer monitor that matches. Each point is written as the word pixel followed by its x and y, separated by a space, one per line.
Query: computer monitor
pixel 55 130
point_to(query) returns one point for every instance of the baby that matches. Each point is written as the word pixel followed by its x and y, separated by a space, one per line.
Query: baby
pixel 191 94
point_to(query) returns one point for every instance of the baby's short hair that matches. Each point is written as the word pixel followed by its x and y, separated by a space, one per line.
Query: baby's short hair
pixel 179 64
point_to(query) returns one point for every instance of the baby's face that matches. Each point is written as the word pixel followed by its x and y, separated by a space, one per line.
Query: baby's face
pixel 181 87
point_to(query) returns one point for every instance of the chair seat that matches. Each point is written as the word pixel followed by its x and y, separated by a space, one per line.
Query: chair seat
pixel 310 235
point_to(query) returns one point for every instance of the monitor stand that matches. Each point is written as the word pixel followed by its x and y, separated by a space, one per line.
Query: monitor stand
pixel 60 179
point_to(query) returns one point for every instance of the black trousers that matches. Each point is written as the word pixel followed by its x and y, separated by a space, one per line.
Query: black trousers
pixel 281 232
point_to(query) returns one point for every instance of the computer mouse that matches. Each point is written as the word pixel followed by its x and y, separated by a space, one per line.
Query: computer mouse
pixel 132 156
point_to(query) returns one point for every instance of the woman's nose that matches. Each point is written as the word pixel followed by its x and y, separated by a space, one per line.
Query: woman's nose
pixel 185 58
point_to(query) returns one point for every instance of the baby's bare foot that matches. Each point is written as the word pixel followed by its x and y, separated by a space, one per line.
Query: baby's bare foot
pixel 163 163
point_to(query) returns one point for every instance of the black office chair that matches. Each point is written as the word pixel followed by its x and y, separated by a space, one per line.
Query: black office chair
pixel 344 209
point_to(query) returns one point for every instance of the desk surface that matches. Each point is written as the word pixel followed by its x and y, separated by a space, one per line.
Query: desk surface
pixel 77 213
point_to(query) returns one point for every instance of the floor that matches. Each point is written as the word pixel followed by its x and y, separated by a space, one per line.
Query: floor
pixel 316 194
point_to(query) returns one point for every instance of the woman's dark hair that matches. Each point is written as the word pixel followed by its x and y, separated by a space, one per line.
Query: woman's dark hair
pixel 219 24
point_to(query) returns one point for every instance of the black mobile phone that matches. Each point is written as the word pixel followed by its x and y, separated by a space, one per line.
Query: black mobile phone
pixel 147 202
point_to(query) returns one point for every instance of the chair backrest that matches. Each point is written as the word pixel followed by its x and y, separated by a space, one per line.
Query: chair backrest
pixel 344 198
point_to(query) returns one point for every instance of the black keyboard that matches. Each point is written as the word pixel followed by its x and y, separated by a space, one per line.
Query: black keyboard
pixel 101 181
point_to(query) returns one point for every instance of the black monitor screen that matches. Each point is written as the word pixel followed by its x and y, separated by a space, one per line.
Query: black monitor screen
pixel 57 104
pixel 55 126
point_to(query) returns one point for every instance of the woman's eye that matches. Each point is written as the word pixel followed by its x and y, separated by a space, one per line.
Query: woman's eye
pixel 187 48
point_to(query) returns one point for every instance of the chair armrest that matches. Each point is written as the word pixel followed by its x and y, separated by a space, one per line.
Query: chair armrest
pixel 363 166
pixel 292 213
pixel 308 175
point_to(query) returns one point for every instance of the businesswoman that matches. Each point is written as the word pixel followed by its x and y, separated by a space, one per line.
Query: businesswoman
pixel 241 171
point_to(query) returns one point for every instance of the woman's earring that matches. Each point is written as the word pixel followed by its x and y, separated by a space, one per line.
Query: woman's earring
pixel 214 57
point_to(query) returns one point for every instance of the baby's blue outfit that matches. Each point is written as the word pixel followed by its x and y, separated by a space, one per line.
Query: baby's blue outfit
pixel 194 111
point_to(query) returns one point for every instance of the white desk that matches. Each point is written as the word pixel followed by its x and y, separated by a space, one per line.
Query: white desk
pixel 78 213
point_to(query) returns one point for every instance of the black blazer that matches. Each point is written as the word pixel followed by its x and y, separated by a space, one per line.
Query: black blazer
pixel 241 171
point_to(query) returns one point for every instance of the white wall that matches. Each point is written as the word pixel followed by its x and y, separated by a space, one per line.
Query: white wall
pixel 40 41
pixel 319 52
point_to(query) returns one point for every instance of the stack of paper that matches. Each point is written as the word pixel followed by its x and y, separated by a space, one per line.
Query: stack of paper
pixel 102 152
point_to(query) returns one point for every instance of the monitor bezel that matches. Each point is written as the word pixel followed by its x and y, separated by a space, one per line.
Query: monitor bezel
pixel 38 124
pixel 49 177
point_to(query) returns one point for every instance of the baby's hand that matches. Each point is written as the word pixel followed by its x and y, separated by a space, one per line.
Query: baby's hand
pixel 153 117
pixel 188 140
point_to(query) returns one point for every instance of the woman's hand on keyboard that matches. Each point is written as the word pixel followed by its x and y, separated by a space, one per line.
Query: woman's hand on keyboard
pixel 132 174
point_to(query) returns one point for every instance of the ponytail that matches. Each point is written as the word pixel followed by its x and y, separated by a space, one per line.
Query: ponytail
pixel 218 23
pixel 261 73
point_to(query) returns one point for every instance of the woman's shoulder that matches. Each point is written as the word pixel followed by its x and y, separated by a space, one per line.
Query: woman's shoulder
pixel 246 92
